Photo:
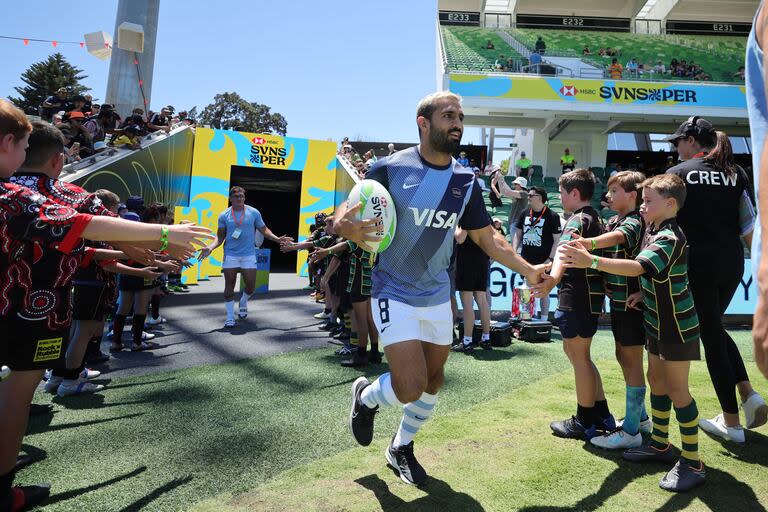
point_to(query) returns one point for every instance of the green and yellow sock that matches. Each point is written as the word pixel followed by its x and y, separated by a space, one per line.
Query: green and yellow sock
pixel 661 408
pixel 688 420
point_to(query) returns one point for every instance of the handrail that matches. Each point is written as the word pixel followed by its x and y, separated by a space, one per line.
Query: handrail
pixel 347 165
pixel 443 53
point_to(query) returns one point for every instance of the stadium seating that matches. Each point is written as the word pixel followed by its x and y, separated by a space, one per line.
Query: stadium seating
pixel 465 48
pixel 720 56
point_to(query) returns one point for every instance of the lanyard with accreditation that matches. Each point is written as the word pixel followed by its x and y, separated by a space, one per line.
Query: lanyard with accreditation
pixel 237 232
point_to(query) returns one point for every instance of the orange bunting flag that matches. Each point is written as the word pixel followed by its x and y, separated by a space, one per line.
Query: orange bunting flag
pixel 82 45
pixel 54 43
pixel 26 42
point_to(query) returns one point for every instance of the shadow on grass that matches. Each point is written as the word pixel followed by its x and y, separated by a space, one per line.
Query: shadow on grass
pixel 721 492
pixel 63 496
pixel 40 425
pixel 440 496
pixel 753 451
pixel 149 498
pixel 144 383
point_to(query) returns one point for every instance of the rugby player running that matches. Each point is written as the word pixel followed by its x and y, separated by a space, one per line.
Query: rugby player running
pixel 411 292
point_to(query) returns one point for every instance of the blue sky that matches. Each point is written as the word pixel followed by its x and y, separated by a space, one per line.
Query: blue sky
pixel 335 68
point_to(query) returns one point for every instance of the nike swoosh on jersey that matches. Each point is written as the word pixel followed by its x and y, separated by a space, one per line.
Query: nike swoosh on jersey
pixel 384 328
pixel 406 186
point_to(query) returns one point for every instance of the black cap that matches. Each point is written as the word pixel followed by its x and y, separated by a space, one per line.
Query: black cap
pixel 695 126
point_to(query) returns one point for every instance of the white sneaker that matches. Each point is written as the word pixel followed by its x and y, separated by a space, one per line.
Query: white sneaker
pixel 5 372
pixel 47 375
pixel 755 411
pixel 230 322
pixel 618 440
pixel 716 426
pixel 155 321
pixel 89 374
pixel 53 384
pixel 646 426
pixel 146 336
pixel 78 387
pixel 321 315
pixel 243 312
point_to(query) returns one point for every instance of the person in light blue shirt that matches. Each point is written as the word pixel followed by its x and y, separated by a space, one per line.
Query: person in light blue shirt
pixel 237 231
pixel 410 299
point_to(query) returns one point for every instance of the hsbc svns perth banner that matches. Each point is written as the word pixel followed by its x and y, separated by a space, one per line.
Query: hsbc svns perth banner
pixel 694 94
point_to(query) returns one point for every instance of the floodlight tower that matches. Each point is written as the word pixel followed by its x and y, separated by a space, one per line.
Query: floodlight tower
pixel 133 57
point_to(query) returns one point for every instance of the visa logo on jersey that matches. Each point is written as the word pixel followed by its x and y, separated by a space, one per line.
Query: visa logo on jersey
pixel 433 218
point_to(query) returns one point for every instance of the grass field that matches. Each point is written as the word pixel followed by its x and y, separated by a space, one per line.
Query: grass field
pixel 270 434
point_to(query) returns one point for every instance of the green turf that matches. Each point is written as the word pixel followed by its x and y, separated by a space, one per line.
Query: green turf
pixel 271 434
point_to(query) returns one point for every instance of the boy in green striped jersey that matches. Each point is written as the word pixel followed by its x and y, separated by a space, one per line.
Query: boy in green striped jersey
pixel 671 328
pixel 622 241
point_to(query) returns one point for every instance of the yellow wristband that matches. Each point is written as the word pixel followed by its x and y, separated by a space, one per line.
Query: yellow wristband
pixel 594 244
pixel 595 261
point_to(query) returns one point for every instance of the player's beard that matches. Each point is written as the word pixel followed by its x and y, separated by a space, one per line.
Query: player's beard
pixel 441 141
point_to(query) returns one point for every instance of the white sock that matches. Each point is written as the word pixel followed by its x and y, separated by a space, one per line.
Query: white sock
pixel 486 336
pixel 380 392
pixel 244 299
pixel 415 414
pixel 467 340
pixel 230 304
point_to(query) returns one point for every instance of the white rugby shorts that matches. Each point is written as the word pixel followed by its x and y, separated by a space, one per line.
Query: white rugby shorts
pixel 397 321
pixel 241 262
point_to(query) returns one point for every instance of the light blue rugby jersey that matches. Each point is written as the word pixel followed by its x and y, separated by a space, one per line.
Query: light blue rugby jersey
pixel 429 201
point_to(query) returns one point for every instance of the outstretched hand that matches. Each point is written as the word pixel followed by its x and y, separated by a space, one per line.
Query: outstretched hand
pixel 357 230
pixel 573 255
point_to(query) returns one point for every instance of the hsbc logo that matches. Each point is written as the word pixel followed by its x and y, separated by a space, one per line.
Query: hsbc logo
pixel 258 140
pixel 569 90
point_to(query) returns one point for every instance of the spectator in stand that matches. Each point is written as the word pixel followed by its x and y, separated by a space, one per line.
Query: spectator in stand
pixel 391 148
pixel 489 45
pixel 615 71
pixel 540 46
pixel 632 66
pixel 78 105
pixel 586 51
pixel 53 104
pixel 739 74
pixel 535 61
pixel 659 68
pixel 98 127
pixel 510 64
pixel 610 52
pixel 601 52
pixel 79 137
pixel 160 122
pixel 497 183
pixel 536 234
pixel 88 104
pixel 500 63
pixel 523 166
pixel 130 138
pixel 519 195
pixel 463 160
pixel 567 160
pixel 95 109
pixel 474 167
pixel 488 170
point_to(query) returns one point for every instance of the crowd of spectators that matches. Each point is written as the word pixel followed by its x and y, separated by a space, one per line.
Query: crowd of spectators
pixel 90 128
pixel 363 162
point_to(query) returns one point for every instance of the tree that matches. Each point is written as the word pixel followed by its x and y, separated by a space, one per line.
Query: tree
pixel 231 112
pixel 43 78
pixel 193 114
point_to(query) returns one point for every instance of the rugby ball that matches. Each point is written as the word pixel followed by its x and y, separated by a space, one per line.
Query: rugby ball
pixel 376 204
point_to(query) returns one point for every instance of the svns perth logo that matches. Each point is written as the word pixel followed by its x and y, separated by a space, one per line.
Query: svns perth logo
pixel 263 154
pixel 569 90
